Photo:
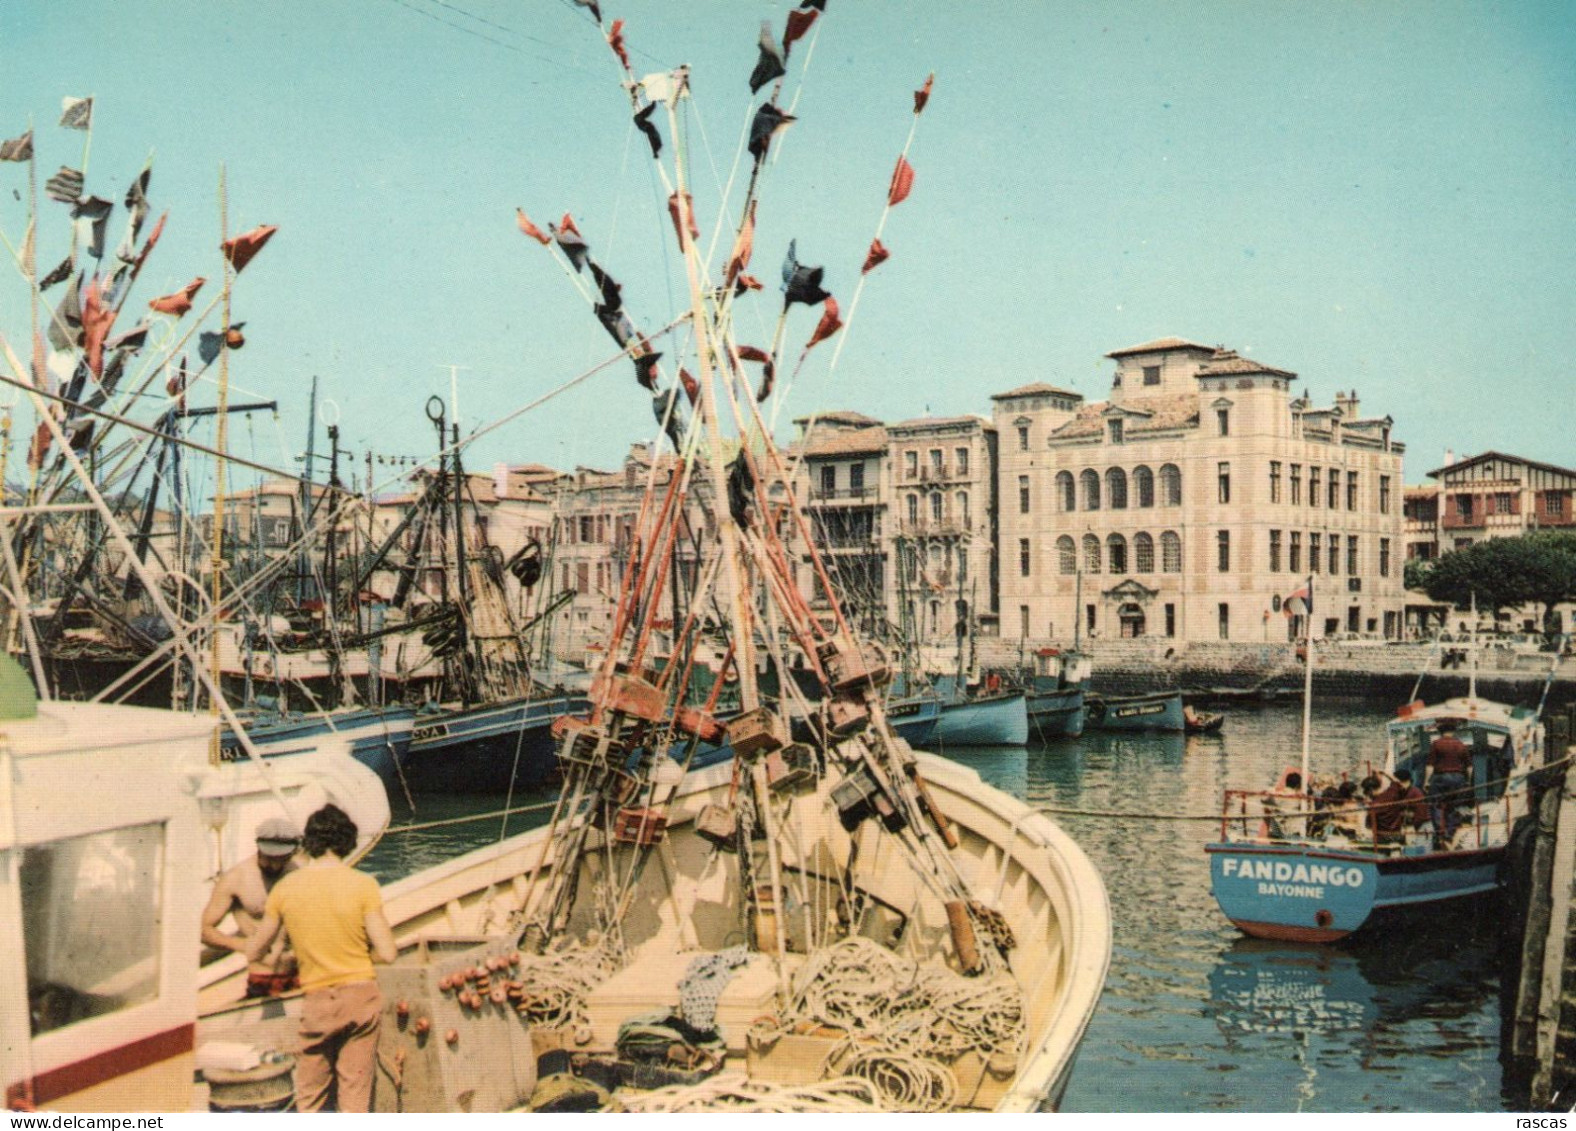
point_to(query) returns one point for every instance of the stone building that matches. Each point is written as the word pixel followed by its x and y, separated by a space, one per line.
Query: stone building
pixel 1497 496
pixel 844 489
pixel 1191 501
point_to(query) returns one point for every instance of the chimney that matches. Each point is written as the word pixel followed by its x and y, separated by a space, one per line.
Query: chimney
pixel 501 480
pixel 1450 457
pixel 1348 404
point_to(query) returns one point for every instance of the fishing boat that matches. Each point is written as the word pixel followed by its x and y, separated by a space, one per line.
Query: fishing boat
pixel 378 737
pixel 1157 710
pixel 1202 722
pixel 1304 863
pixel 489 748
pixel 984 718
pixel 1056 691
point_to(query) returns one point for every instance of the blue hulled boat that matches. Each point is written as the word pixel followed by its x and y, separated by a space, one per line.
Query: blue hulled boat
pixel 1056 694
pixel 990 719
pixel 489 748
pixel 1159 710
pixel 1289 866
pixel 379 738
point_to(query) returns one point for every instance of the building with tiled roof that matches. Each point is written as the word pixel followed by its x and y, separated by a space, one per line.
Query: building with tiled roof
pixel 1194 497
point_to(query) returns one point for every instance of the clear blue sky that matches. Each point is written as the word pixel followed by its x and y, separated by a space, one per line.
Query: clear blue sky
pixel 1372 195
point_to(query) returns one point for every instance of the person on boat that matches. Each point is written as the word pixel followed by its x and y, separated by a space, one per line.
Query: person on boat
pixel 241 893
pixel 1449 769
pixel 1391 807
pixel 334 916
pixel 1413 804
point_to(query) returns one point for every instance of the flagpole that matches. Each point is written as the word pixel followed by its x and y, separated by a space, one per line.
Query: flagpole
pixel 1307 685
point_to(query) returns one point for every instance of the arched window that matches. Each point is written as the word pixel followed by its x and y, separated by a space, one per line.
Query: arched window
pixel 1116 553
pixel 1170 552
pixel 1143 554
pixel 935 507
pixel 1091 548
pixel 1116 488
pixel 1066 496
pixel 913 509
pixel 1170 486
pixel 1091 489
pixel 1144 485
pixel 963 507
pixel 1066 554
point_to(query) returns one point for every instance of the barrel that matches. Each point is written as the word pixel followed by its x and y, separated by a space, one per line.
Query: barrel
pixel 270 1087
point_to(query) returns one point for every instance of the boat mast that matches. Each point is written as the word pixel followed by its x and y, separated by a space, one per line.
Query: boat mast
pixel 1307 683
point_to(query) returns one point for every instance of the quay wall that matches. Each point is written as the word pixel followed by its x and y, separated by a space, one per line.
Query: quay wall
pixel 1381 672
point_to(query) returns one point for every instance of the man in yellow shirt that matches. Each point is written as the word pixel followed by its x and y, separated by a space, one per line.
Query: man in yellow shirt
pixel 334 916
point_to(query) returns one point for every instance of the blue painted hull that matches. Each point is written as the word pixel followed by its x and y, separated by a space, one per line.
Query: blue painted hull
pixel 1160 711
pixel 914 719
pixel 490 748
pixel 379 738
pixel 1001 720
pixel 1056 713
pixel 1303 893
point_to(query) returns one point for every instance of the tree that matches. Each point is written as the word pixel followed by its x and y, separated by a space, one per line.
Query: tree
pixel 1502 573
pixel 1415 574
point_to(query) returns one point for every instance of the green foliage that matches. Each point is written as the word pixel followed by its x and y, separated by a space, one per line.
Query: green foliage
pixel 1416 573
pixel 1502 573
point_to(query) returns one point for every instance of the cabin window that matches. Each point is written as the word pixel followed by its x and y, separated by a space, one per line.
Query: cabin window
pixel 92 907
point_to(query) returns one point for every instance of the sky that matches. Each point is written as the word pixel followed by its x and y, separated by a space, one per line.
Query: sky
pixel 1374 196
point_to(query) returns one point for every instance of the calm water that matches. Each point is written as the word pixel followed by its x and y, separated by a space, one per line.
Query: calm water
pixel 1195 1017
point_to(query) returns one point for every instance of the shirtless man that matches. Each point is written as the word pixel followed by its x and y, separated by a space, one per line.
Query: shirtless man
pixel 242 891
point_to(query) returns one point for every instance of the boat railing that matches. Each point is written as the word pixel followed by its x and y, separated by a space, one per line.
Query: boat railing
pixel 1281 815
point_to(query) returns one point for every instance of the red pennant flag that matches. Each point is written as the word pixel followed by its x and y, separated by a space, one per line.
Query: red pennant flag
pixel 239 250
pixel 922 95
pixel 615 40
pixel 799 21
pixel 39 448
pixel 97 318
pixel 679 218
pixel 746 283
pixel 829 324
pixel 531 229
pixel 902 182
pixel 876 256
pixel 768 370
pixel 691 386
pixel 567 224
pixel 179 302
pixel 743 247
pixel 153 238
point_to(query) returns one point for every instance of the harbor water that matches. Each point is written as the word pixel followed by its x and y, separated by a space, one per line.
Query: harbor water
pixel 1196 1017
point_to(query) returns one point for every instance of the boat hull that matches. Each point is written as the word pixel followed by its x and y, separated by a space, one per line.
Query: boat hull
pixel 1162 711
pixel 914 719
pixel 1056 714
pixel 488 749
pixel 1001 720
pixel 1307 894
pixel 379 739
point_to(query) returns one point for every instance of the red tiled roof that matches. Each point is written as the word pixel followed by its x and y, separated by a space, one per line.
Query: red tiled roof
pixel 846 442
pixel 1159 414
pixel 1037 389
pixel 1160 345
pixel 1227 363
pixel 922 422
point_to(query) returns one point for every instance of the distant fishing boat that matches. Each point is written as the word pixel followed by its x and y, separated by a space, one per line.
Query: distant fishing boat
pixel 1158 710
pixel 990 719
pixel 489 748
pixel 378 737
pixel 1056 694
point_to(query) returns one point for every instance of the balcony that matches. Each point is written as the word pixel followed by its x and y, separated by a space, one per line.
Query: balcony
pixel 931 528
pixel 843 495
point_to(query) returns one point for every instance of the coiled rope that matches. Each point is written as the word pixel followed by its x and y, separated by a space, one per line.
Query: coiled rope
pixel 739 1093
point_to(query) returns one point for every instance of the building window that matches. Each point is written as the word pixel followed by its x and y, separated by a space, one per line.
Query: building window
pixel 1023 557
pixel 1023 620
pixel 935 507
pixel 1296 484
pixel 1553 504
pixel 1171 620
pixel 1023 494
pixel 1066 555
pixel 1223 421
pixel 1116 488
pixel 1115 427
pixel 936 466
pixel 1023 437
pixel 1144 553
pixel 963 508
pixel 1275 551
pixel 911 465
pixel 1116 553
pixel 1170 552
pixel 1313 553
pixel 856 478
pixel 1144 485
pixel 1384 557
pixel 1313 486
pixel 1224 616
pixel 1503 503
pixel 1335 489
pixel 913 509
pixel 1384 494
pixel 1170 485
pixel 1351 490
pixel 960 461
pixel 1464 507
pixel 1352 555
pixel 1275 481
pixel 963 564
pixel 1066 494
pixel 1091 489
pixel 1223 478
pixel 1223 551
pixel 1294 552
pixel 911 567
pixel 1335 554
pixel 1089 619
pixel 1091 553
pixel 829 481
pixel 1151 374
